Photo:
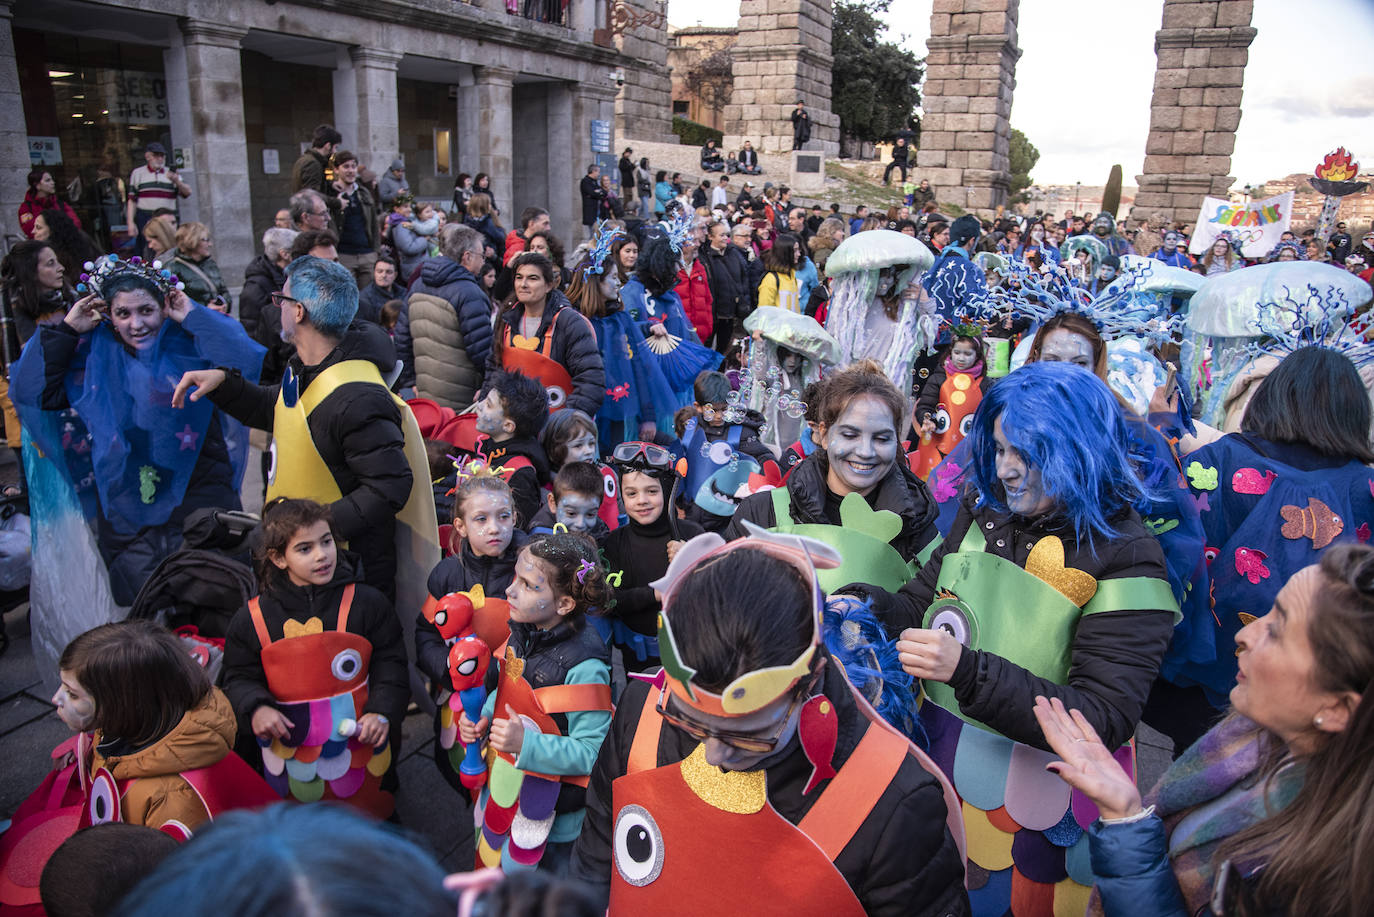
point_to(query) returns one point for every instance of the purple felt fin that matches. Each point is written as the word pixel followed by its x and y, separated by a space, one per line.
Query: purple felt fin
pixel 321 728
pixel 349 783
pixel 279 782
pixel 299 715
pixel 1036 798
pixel 1084 809
pixel 943 729
pixel 538 797
pixel 1037 859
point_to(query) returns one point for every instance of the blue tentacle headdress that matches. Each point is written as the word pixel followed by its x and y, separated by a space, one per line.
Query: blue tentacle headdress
pixel 605 237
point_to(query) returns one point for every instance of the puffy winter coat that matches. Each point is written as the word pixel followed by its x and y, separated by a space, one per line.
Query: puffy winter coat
pixel 728 274
pixel 695 291
pixel 411 247
pixel 444 334
pixel 261 279
pixel 158 793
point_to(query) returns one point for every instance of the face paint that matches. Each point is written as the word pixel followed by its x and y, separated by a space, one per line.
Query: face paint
pixel 578 511
pixel 531 595
pixel 1020 482
pixel 1170 242
pixel 75 706
pixel 963 355
pixel 1106 272
pixel 582 448
pixel 491 414
pixel 885 281
pixel 1064 346
pixel 487 522
pixel 610 285
pixel 861 446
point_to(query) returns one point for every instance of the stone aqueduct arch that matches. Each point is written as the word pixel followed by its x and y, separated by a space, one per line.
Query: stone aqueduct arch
pixel 783 54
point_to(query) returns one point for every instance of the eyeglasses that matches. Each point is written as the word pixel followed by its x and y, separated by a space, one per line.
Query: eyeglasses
pixel 752 744
pixel 656 456
pixel 278 299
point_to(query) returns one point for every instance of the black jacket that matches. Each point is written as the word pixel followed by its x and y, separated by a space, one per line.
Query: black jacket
pixel 357 431
pixel 371 616
pixel 592 195
pixel 459 573
pixel 640 552
pixel 261 279
pixel 574 346
pixel 812 503
pixel 627 172
pixel 728 274
pixel 372 298
pixel 901 861
pixel 928 392
pixel 526 484
pixel 1115 655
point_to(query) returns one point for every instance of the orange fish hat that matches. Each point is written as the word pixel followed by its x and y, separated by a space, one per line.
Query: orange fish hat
pixel 751 691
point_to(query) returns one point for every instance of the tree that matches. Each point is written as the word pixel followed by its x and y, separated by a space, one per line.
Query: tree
pixel 1022 157
pixel 712 79
pixel 874 84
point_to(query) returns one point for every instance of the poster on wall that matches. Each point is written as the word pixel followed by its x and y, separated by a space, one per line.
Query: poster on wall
pixel 45 151
pixel 1258 224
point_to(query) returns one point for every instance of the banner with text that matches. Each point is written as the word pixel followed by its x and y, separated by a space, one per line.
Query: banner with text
pixel 1258 224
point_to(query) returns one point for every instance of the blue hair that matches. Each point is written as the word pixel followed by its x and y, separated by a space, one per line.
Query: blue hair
pixel 315 859
pixel 856 641
pixel 328 292
pixel 1067 424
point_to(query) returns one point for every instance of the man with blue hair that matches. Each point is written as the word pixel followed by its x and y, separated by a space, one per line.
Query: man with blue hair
pixel 340 437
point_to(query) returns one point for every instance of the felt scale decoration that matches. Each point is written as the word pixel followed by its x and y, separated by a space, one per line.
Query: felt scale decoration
pixel 819 731
pixel 319 681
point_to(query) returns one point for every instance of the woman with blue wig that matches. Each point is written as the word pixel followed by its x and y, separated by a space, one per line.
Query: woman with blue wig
pixel 116 359
pixel 1048 583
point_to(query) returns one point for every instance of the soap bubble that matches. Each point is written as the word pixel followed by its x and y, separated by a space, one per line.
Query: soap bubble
pixel 764 429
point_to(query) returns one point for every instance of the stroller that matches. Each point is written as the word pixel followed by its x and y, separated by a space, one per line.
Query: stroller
pixel 196 591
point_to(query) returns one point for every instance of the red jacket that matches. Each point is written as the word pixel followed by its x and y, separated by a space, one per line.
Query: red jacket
pixel 515 244
pixel 32 207
pixel 695 292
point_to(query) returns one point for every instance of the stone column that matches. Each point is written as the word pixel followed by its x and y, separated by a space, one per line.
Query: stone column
pixel 644 105
pixel 378 138
pixel 590 101
pixel 494 151
pixel 565 162
pixel 782 55
pixel 1202 49
pixel 970 75
pixel 14 135
pixel 219 147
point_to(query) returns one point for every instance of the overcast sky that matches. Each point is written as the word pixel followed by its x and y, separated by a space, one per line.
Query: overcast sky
pixel 1084 79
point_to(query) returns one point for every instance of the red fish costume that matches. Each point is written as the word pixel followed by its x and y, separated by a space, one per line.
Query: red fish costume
pixel 319 679
pixel 960 395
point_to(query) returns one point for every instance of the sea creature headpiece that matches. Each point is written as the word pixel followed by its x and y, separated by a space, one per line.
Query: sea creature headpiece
pixel 750 691
pixel 605 237
pixel 100 274
pixel 1310 315
pixel 680 229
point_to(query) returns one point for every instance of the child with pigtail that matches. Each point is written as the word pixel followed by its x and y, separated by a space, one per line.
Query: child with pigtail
pixel 554 674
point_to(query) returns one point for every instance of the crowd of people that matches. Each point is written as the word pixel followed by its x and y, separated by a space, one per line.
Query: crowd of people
pixel 748 551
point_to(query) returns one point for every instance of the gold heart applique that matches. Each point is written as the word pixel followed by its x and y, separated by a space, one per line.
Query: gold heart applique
pixel 1246 619
pixel 523 343
pixel 1046 562
pixel 302 628
pixel 513 666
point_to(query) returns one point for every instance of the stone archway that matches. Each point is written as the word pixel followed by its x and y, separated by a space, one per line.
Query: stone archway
pixel 1201 48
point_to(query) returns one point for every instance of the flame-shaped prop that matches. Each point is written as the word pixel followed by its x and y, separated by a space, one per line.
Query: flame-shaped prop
pixel 1334 177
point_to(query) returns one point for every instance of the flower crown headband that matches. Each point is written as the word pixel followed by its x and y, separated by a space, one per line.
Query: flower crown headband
pixel 99 274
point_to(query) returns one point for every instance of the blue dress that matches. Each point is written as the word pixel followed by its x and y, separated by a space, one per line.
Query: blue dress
pixel 680 366
pixel 635 385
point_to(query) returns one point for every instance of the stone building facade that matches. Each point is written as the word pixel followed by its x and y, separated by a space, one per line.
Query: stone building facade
pixel 697 95
pixel 233 89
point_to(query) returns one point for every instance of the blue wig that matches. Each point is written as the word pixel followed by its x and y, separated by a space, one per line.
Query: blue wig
pixel 856 641
pixel 315 859
pixel 328 292
pixel 1065 423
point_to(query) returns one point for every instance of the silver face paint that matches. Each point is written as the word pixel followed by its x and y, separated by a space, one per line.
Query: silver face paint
pixel 1064 346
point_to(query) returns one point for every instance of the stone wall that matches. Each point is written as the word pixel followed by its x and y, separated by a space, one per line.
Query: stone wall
pixel 1202 48
pixel 970 75
pixel 644 104
pixel 687 49
pixel 783 54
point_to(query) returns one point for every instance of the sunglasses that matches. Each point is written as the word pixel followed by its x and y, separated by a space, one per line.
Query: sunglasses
pixel 656 456
pixel 747 743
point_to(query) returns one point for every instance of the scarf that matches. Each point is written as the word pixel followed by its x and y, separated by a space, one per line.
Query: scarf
pixel 975 370
pixel 1212 792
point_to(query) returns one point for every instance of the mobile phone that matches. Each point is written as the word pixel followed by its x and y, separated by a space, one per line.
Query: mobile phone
pixel 1231 897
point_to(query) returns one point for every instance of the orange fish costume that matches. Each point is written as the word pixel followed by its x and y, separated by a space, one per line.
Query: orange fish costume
pixel 319 679
pixel 960 395
pixel 667 820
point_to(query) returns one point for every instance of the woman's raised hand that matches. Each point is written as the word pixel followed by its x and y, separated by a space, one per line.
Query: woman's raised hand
pixel 1087 765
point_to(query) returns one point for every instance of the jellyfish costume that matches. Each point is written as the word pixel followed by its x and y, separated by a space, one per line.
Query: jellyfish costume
pixel 795 349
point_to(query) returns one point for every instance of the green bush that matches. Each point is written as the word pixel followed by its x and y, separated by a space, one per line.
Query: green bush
pixel 694 134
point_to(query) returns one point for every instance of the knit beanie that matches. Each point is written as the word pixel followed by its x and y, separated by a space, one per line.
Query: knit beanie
pixel 965 228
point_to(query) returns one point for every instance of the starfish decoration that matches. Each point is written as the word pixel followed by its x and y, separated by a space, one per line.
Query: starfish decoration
pixel 188 438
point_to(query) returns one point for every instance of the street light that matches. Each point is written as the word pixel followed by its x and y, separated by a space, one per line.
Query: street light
pixel 1077 186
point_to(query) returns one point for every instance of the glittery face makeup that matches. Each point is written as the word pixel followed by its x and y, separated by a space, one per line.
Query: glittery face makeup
pixel 1064 346
pixel 578 511
pixel 963 355
pixel 531 595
